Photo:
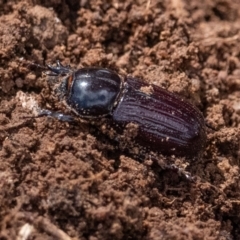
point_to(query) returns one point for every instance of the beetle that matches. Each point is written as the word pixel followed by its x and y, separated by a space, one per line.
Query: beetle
pixel 153 118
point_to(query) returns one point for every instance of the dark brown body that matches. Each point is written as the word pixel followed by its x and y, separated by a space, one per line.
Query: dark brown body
pixel 166 123
pixel 162 121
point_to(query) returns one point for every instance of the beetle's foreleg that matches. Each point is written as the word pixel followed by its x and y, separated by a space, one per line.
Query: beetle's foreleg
pixel 60 116
pixel 181 172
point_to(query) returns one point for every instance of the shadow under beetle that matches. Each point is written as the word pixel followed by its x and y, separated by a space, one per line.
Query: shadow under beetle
pixel 158 120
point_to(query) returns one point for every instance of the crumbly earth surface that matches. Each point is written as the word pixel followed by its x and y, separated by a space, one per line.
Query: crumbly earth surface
pixel 63 181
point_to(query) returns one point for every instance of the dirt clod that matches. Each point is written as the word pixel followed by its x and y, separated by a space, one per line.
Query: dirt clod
pixel 64 181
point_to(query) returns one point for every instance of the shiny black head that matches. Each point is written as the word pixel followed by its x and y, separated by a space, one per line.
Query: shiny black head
pixel 91 92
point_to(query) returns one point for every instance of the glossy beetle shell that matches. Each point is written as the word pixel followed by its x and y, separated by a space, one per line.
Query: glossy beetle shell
pixel 92 92
pixel 165 123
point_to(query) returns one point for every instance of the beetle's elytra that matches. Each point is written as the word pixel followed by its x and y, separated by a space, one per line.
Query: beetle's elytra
pixel 165 123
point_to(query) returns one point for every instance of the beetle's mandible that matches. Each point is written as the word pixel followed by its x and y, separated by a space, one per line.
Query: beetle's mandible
pixel 164 122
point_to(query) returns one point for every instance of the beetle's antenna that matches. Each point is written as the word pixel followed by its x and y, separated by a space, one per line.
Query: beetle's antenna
pixel 50 70
pixel 31 65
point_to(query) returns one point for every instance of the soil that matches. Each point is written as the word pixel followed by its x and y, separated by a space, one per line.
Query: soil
pixel 63 181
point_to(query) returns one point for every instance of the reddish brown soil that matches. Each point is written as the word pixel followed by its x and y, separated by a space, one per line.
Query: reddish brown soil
pixel 60 181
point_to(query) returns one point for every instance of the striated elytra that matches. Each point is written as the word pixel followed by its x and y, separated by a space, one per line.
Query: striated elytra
pixel 165 122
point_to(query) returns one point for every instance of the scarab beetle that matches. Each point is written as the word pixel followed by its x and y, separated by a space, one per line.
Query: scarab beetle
pixel 163 121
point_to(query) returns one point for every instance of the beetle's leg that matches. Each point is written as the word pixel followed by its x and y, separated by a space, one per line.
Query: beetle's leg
pixel 181 172
pixel 174 168
pixel 60 116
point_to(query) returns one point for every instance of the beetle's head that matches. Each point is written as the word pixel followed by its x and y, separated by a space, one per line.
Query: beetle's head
pixel 62 78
